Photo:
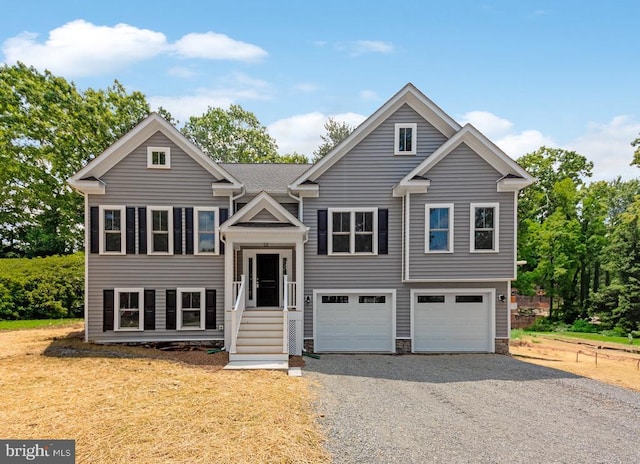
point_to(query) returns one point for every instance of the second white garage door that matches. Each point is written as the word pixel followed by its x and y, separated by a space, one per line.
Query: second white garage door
pixel 354 322
pixel 452 321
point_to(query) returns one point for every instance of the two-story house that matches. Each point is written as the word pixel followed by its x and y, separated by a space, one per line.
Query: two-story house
pixel 402 239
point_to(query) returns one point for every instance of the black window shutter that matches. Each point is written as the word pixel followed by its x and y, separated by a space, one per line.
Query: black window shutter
pixel 188 225
pixel 224 215
pixel 108 312
pixel 210 309
pixel 322 231
pixel 142 230
pixel 94 225
pixel 149 309
pixel 383 231
pixel 131 230
pixel 177 231
pixel 171 310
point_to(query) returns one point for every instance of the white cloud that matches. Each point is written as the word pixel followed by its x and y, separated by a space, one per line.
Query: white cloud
pixel 301 133
pixel 306 87
pixel 488 123
pixel 80 48
pixel 608 145
pixel 213 46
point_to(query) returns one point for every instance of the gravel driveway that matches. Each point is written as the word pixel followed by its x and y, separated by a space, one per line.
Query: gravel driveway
pixel 470 409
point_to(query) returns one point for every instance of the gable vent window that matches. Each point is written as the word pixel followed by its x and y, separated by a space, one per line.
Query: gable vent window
pixel 405 139
pixel 159 157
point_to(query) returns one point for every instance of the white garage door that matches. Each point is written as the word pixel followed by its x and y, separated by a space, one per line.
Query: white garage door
pixel 355 322
pixel 449 322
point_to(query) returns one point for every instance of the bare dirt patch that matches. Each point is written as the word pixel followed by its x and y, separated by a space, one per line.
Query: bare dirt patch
pixel 596 360
pixel 138 405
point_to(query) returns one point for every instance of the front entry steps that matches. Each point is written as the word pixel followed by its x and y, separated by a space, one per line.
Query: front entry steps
pixel 259 342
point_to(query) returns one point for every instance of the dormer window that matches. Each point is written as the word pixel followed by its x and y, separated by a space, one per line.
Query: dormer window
pixel 405 139
pixel 159 157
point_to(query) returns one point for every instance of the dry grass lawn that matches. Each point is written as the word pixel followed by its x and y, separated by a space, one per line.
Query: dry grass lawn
pixel 613 366
pixel 132 405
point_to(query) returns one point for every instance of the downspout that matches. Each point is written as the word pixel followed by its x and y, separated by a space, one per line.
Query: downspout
pixel 86 266
pixel 232 199
pixel 402 239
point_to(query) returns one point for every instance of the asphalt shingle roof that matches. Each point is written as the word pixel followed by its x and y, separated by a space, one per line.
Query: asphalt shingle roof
pixel 270 177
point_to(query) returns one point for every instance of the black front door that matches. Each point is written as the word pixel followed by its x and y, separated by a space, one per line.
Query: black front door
pixel 267 280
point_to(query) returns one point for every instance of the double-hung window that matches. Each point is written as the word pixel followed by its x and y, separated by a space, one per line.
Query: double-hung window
pixel 484 227
pixel 112 226
pixel 129 314
pixel 159 157
pixel 439 228
pixel 206 224
pixel 405 139
pixel 160 229
pixel 353 231
pixel 191 309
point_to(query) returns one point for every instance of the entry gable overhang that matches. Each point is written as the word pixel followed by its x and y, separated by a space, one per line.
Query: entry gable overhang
pixel 409 95
pixel 224 185
pixel 244 218
pixel 514 177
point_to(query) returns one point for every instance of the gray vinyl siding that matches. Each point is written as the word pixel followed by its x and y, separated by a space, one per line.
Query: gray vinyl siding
pixel 365 178
pixel 502 312
pixel 131 183
pixel 462 178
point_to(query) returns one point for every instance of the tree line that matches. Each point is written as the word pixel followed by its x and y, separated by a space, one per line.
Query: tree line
pixel 580 239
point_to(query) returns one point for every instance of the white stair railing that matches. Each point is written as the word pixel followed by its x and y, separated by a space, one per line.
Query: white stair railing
pixel 236 312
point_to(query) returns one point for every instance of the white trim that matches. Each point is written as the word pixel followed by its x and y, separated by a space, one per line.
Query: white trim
pixel 439 291
pixel 414 138
pixel 116 309
pixel 87 252
pixel 407 249
pixel 253 253
pixel 179 309
pixel 427 226
pixel 496 227
pixel 469 280
pixel 150 210
pixel 515 235
pixel 354 291
pixel 123 229
pixel 167 157
pixel 196 230
pixel 262 201
pixel 508 310
pixel 352 232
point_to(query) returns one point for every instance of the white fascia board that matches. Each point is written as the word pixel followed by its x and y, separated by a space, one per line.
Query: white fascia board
pixel 513 184
pixel 305 190
pixel 93 187
pixel 220 189
pixel 411 186
pixel 410 95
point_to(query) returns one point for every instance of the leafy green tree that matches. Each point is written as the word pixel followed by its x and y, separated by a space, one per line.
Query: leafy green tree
pixel 336 132
pixel 293 158
pixel 231 136
pixel 636 153
pixel 48 131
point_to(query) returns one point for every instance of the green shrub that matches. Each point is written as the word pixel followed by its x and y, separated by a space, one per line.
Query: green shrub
pixel 584 326
pixel 542 324
pixel 42 288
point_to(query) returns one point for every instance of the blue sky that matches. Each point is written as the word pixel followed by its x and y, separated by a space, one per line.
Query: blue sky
pixel 526 73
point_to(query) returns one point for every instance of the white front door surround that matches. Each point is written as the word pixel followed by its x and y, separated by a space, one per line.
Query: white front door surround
pixel 250 271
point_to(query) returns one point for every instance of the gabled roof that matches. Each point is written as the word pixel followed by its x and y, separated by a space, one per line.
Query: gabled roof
pixel 273 178
pixel 262 201
pixel 136 136
pixel 514 177
pixel 409 95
